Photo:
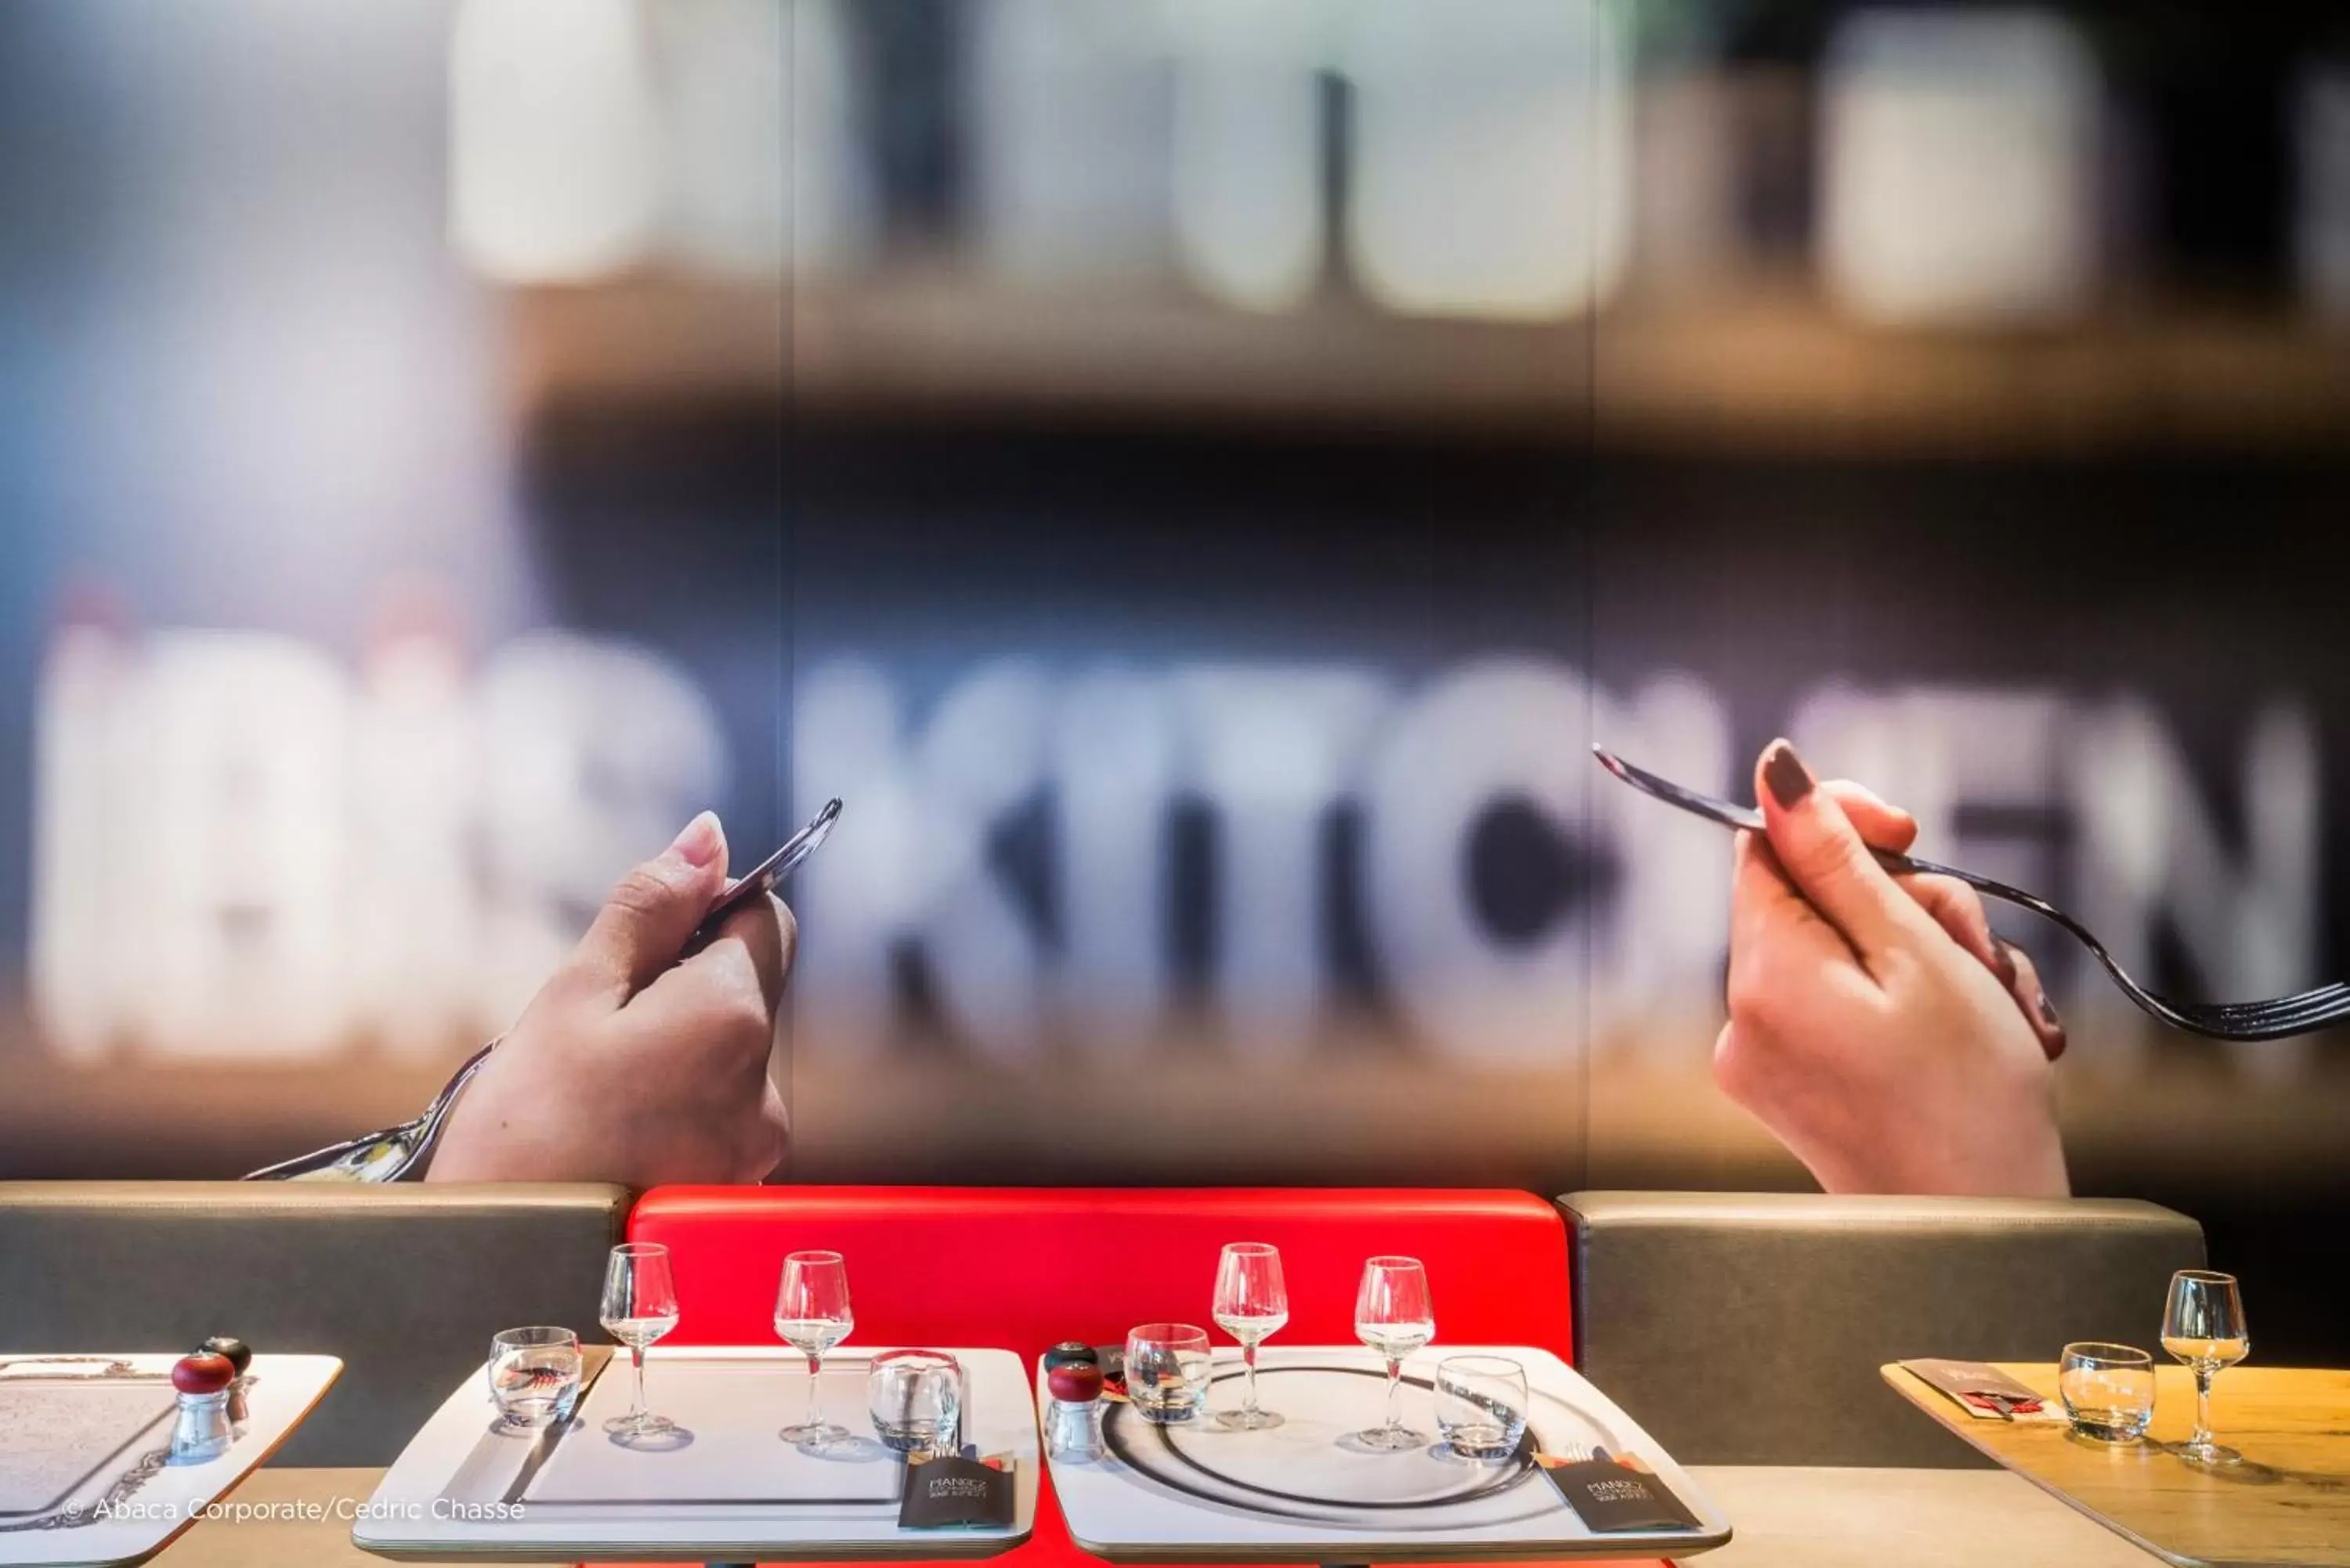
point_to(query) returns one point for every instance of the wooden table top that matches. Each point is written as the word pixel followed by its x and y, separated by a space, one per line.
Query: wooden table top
pixel 2287 1503
pixel 291 1519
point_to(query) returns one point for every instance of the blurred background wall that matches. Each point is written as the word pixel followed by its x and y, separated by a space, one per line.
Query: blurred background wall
pixel 1196 478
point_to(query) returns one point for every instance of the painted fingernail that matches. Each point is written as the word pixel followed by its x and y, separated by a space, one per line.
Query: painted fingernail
pixel 2003 951
pixel 2048 1013
pixel 1783 771
pixel 700 842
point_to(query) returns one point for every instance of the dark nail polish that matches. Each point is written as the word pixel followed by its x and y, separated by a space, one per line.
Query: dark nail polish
pixel 2048 1012
pixel 2003 952
pixel 1783 771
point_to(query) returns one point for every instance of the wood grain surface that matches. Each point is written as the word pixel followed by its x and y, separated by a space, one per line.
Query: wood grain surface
pixel 2287 1503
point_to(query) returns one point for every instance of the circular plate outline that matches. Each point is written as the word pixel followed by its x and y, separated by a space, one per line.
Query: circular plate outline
pixel 1317 1510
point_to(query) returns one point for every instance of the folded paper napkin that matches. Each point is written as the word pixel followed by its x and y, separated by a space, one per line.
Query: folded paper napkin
pixel 949 1491
pixel 1615 1493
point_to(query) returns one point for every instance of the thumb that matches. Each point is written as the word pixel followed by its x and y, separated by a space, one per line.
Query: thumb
pixel 1825 856
pixel 651 912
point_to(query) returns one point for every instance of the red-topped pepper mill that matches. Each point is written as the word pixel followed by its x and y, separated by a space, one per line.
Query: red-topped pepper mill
pixel 1073 1426
pixel 201 1433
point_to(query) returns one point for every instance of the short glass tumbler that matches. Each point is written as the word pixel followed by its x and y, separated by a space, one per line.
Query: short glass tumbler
pixel 1480 1406
pixel 533 1376
pixel 915 1397
pixel 1166 1371
pixel 2109 1390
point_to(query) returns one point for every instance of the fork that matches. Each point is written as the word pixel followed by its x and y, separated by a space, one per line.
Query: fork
pixel 2300 1013
pixel 391 1154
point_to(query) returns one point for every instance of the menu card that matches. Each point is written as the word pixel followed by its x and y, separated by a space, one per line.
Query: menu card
pixel 1983 1391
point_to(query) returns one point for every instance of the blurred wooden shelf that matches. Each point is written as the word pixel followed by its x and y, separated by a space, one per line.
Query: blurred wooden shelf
pixel 1763 376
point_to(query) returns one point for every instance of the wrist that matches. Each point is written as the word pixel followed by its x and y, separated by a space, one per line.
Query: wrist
pixel 1965 1165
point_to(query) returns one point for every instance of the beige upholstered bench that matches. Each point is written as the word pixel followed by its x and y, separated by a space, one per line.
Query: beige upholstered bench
pixel 405 1283
pixel 1748 1328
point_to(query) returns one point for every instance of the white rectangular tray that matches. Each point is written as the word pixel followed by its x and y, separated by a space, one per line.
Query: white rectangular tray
pixel 1299 1492
pixel 736 1490
pixel 110 1444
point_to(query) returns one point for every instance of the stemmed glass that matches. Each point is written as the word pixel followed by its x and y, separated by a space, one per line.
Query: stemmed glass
pixel 639 1307
pixel 2203 1325
pixel 1394 1316
pixel 1251 1305
pixel 812 1316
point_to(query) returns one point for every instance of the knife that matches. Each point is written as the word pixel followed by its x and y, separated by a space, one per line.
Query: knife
pixel 593 1359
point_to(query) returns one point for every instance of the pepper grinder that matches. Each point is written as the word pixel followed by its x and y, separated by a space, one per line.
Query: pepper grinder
pixel 1073 1427
pixel 240 1359
pixel 200 1432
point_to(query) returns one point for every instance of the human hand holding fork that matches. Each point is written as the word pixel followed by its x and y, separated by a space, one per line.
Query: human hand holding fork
pixel 1864 1025
pixel 1889 1052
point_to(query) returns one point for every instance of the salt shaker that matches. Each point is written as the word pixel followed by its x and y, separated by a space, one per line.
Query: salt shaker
pixel 1073 1426
pixel 200 1431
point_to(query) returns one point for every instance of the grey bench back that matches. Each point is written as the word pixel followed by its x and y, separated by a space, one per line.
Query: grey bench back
pixel 405 1283
pixel 1748 1328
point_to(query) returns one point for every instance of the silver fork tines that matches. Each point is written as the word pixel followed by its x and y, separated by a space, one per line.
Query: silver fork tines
pixel 2279 1016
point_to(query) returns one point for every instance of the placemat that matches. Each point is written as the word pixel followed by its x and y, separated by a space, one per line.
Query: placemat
pixel 726 1448
pixel 1307 1469
pixel 59 1434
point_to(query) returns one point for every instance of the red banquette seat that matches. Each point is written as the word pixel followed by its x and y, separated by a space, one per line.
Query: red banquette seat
pixel 1024 1267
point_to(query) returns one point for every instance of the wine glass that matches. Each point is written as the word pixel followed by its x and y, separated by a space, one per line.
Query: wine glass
pixel 639 1307
pixel 812 1316
pixel 1251 1305
pixel 1394 1316
pixel 2203 1325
